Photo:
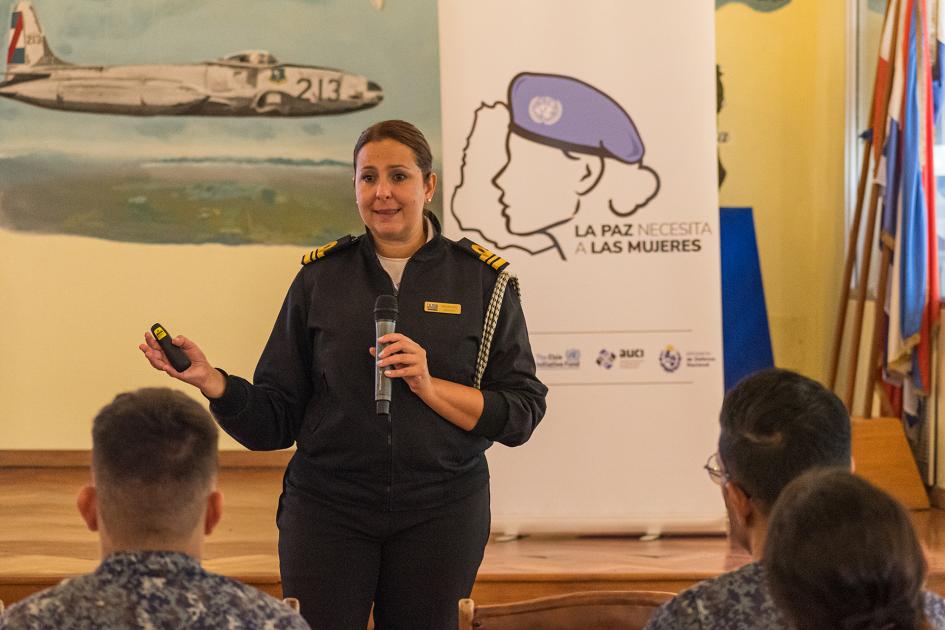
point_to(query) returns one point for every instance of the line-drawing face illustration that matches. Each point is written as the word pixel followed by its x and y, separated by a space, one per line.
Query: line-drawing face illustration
pixel 569 150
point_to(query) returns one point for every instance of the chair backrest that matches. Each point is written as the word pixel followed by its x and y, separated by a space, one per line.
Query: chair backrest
pixel 590 610
pixel 292 602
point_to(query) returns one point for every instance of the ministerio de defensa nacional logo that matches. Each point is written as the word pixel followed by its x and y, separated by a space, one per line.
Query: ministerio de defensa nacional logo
pixel 670 359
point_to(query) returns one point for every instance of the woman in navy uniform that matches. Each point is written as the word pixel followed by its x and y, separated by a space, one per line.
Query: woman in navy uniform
pixel 390 510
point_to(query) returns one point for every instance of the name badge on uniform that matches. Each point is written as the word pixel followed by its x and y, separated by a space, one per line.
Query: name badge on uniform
pixel 443 307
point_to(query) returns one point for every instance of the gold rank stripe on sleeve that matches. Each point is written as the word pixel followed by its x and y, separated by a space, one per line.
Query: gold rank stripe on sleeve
pixel 475 249
pixel 320 252
pixel 443 307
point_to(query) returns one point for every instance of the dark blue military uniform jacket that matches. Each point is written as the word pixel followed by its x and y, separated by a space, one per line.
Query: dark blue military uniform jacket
pixel 314 384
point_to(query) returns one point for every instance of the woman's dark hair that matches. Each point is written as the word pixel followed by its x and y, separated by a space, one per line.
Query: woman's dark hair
pixel 403 132
pixel 842 554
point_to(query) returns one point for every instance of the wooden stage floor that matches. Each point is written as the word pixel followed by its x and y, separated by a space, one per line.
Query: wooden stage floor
pixel 42 540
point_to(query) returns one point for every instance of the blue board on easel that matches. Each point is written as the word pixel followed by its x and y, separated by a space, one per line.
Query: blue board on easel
pixel 746 340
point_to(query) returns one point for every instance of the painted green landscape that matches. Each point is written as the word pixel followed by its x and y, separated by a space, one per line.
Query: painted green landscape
pixel 179 200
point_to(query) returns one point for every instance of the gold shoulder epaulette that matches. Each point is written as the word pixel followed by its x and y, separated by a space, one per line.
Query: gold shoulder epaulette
pixel 475 249
pixel 329 248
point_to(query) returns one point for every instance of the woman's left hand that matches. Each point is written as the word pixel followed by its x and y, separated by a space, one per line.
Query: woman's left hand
pixel 405 358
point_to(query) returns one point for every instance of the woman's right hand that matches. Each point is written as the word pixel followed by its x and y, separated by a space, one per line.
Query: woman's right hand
pixel 200 374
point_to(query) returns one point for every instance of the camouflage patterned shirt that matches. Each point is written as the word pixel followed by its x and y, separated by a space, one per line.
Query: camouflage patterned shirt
pixel 740 600
pixel 151 589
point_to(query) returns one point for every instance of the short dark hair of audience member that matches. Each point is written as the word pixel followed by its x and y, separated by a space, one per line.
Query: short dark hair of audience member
pixel 841 553
pixel 775 425
pixel 154 466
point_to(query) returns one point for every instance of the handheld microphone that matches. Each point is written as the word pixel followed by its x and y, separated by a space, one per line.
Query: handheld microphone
pixel 385 322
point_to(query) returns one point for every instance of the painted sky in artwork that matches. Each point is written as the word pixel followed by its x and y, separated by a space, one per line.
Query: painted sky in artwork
pixel 395 47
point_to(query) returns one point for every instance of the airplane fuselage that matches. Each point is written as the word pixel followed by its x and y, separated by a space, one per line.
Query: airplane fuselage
pixel 215 88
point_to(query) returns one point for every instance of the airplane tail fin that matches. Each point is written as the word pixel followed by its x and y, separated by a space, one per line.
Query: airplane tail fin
pixel 26 44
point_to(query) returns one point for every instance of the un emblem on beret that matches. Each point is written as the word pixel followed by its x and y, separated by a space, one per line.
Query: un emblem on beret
pixel 545 110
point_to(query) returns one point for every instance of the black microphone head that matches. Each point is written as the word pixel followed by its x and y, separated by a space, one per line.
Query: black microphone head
pixel 385 308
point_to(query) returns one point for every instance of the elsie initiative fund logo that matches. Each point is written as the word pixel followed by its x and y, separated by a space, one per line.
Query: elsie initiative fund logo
pixel 569 359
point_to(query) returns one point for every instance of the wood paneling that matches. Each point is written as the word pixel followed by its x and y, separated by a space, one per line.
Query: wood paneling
pixel 42 540
pixel 881 455
pixel 80 458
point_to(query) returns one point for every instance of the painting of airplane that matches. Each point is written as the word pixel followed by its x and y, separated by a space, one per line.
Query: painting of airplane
pixel 249 83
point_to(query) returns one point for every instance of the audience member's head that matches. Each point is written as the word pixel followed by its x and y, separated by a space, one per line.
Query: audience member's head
pixel 775 425
pixel 840 553
pixel 154 466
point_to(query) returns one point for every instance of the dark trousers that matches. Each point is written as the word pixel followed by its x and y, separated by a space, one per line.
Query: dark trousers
pixel 414 566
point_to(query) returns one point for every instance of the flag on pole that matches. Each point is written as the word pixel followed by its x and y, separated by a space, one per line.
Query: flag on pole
pixel 923 359
pixel 908 225
pixel 889 172
pixel 938 67
pixel 881 90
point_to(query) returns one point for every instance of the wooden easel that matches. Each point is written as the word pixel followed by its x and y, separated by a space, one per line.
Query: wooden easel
pixel 874 139
pixel 881 451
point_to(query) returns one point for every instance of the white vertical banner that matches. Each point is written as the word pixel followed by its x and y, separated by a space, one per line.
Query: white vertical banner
pixel 579 143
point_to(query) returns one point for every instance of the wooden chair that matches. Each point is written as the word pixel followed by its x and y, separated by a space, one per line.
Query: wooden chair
pixel 292 603
pixel 590 610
